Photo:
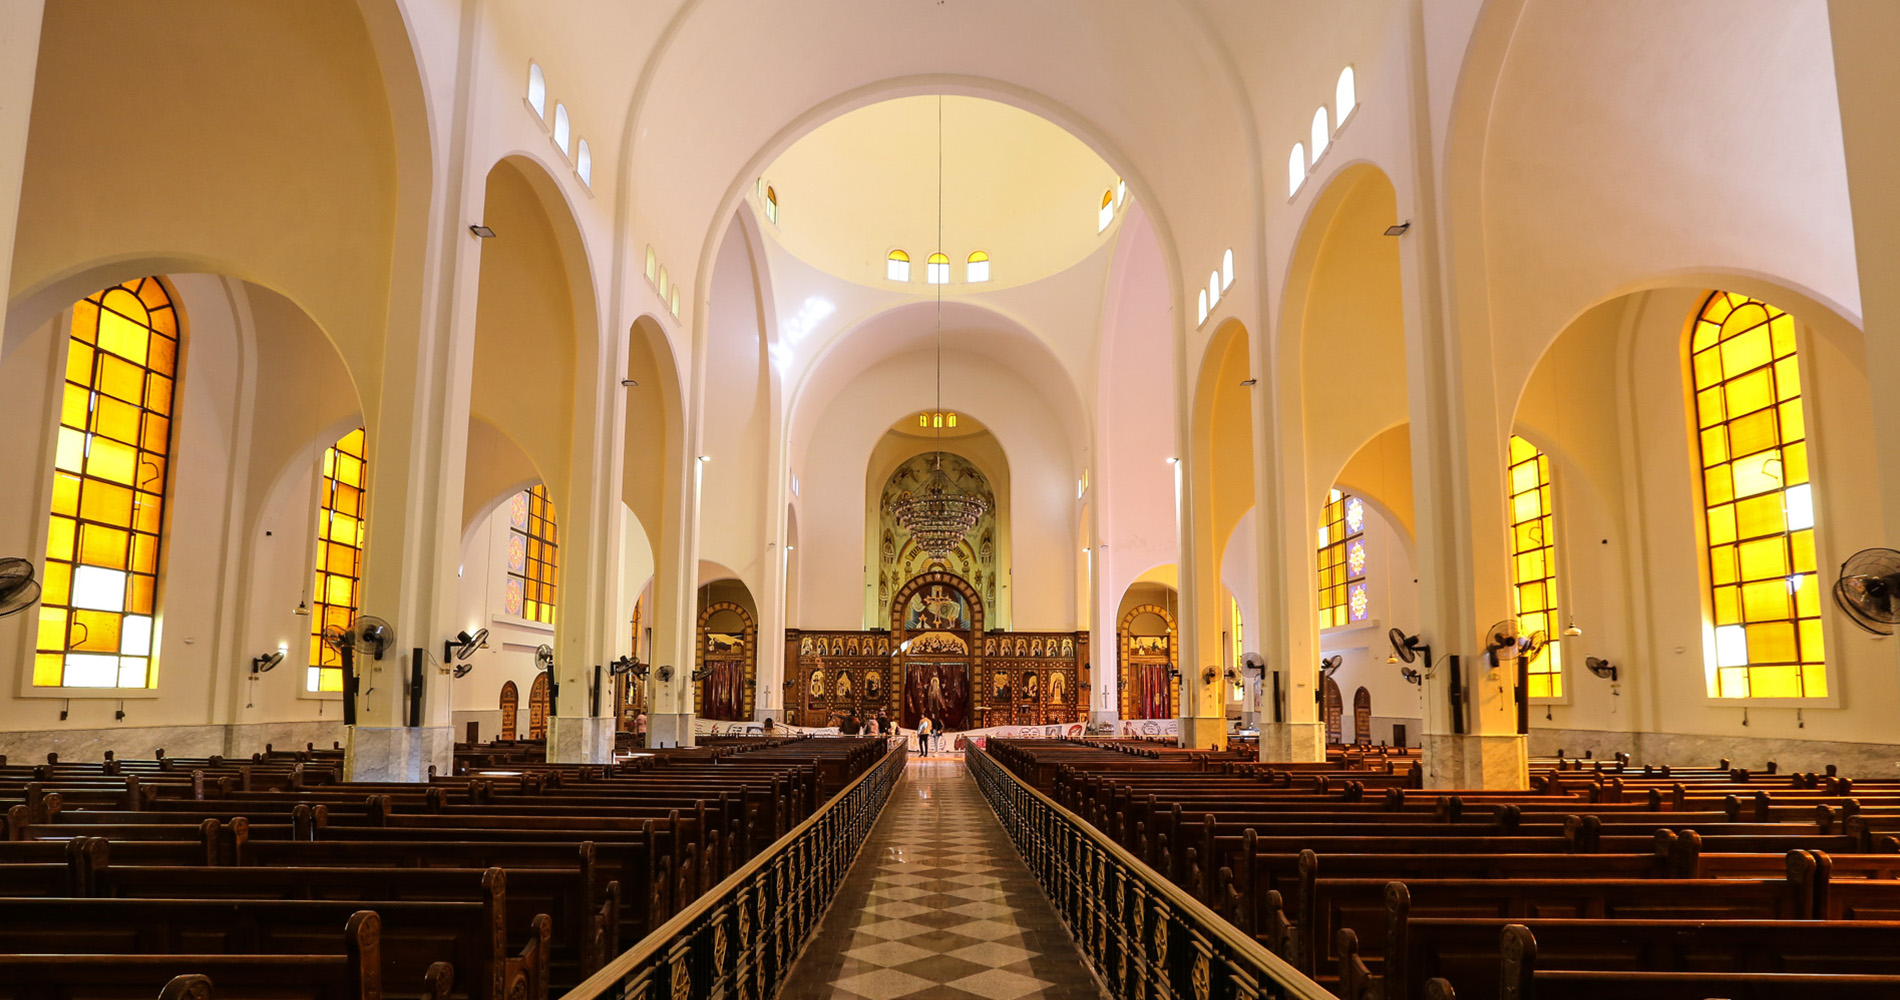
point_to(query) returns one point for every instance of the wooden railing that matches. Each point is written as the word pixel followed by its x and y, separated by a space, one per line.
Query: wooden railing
pixel 740 939
pixel 1144 935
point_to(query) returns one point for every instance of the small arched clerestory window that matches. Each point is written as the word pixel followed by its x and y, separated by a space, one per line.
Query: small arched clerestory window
pixel 1203 318
pixel 1345 96
pixel 937 269
pixel 771 205
pixel 1322 133
pixel 105 531
pixel 1107 213
pixel 561 127
pixel 897 266
pixel 653 265
pixel 584 163
pixel 1295 169
pixel 666 283
pixel 1227 269
pixel 537 91
pixel 978 267
pixel 1213 289
pixel 1758 500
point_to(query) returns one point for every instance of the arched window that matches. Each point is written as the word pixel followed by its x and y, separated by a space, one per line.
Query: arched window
pixel 341 505
pixel 533 563
pixel 653 264
pixel 1203 318
pixel 560 126
pixel 105 530
pixel 1345 96
pixel 1227 269
pixel 771 206
pixel 1213 288
pixel 1295 169
pixel 584 163
pixel 937 269
pixel 1121 192
pixel 1107 214
pixel 897 266
pixel 978 267
pixel 1759 502
pixel 666 283
pixel 1342 561
pixel 1322 133
pixel 537 90
pixel 1534 562
pixel 674 303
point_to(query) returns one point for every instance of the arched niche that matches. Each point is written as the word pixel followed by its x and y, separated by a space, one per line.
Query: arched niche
pixel 727 662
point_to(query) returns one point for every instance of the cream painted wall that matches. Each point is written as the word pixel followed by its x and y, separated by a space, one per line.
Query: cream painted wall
pixel 512 640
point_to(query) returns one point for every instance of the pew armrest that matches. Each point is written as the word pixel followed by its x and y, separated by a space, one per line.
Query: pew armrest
pixel 191 987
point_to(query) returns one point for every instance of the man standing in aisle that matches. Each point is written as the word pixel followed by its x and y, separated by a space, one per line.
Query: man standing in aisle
pixel 923 736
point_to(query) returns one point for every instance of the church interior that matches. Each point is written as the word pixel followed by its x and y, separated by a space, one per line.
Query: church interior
pixel 1282 443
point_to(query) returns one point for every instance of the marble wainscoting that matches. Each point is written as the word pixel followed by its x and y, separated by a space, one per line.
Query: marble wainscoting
pixel 1861 760
pixel 143 742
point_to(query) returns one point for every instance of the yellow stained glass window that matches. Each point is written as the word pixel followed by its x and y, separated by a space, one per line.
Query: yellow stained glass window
pixel 104 532
pixel 1534 562
pixel 533 557
pixel 1765 591
pixel 1343 596
pixel 342 504
pixel 771 205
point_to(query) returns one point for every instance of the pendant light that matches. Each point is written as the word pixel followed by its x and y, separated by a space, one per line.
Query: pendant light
pixel 938 514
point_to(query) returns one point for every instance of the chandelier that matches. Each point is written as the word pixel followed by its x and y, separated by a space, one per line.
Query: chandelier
pixel 938 514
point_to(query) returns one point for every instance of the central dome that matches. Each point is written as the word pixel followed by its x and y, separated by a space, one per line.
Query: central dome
pixel 1015 186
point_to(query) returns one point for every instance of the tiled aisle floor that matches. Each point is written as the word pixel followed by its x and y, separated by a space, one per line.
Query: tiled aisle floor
pixel 940 907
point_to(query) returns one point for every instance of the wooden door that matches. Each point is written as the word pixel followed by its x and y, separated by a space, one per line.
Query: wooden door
pixel 1335 710
pixel 510 704
pixel 1362 717
pixel 538 708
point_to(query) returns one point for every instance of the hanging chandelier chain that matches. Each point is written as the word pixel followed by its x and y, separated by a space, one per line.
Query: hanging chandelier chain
pixel 938 514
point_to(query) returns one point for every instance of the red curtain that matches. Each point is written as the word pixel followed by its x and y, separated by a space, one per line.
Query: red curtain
pixel 1156 688
pixel 725 691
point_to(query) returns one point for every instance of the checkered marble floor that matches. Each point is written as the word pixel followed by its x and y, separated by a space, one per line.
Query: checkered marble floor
pixel 940 907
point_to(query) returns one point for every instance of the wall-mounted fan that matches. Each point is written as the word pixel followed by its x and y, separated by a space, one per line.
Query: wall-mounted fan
pixel 1505 643
pixel 1406 648
pixel 666 672
pixel 627 665
pixel 18 589
pixel 1330 665
pixel 266 663
pixel 544 658
pixel 372 635
pixel 464 646
pixel 1868 590
pixel 1411 675
pixel 701 674
pixel 1253 665
pixel 1600 667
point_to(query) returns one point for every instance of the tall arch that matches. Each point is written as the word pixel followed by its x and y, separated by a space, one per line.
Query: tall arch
pixel 1146 667
pixel 510 709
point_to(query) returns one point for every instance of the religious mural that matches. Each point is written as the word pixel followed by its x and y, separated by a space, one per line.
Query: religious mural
pixel 937 607
pixel 899 560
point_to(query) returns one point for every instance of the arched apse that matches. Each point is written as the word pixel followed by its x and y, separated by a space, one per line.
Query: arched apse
pixel 884 371
pixel 737 418
pixel 1609 401
pixel 300 181
pixel 534 321
pixel 1344 299
pixel 1626 94
pixel 1131 484
pixel 654 440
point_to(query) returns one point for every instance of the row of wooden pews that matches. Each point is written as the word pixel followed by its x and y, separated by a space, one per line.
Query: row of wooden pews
pixel 272 878
pixel 1604 878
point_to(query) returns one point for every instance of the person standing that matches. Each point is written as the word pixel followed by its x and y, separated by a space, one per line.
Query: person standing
pixel 923 736
pixel 640 730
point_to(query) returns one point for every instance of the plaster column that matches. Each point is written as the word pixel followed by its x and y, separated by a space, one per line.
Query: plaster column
pixel 19 60
pixel 417 419
pixel 768 697
pixel 675 604
pixel 1105 697
pixel 1288 606
pixel 581 729
pixel 1867 77
pixel 1459 436
pixel 1203 723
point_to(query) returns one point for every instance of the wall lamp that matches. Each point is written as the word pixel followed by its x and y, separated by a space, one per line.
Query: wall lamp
pixel 627 383
pixel 1251 381
pixel 705 458
pixel 481 231
pixel 1398 230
